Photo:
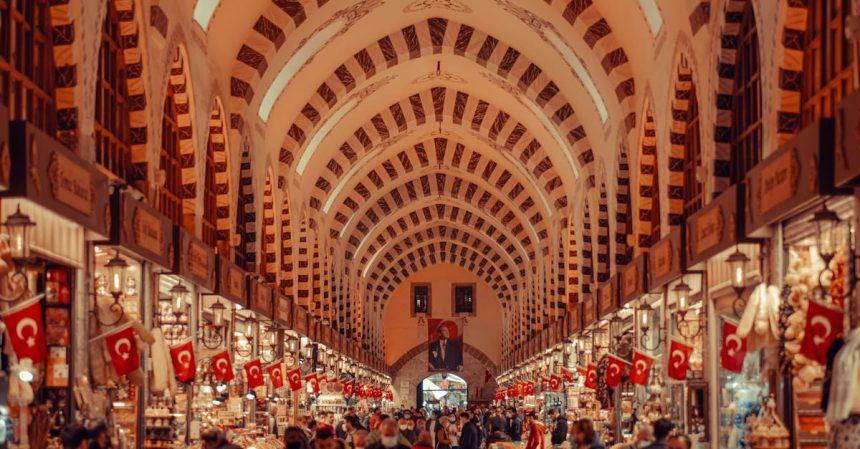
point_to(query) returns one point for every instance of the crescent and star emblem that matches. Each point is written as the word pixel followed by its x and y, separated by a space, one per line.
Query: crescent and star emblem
pixel 681 358
pixel 24 324
pixel 732 349
pixel 614 369
pixel 184 358
pixel 640 367
pixel 294 377
pixel 221 365
pixel 122 342
pixel 825 323
pixel 276 373
pixel 253 369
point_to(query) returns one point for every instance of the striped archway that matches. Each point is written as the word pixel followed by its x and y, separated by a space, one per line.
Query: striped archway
pixel 684 94
pixel 178 81
pixel 623 219
pixel 218 151
pixel 268 254
pixel 648 213
pixel 246 214
pixel 287 263
pixel 573 273
pixel 604 267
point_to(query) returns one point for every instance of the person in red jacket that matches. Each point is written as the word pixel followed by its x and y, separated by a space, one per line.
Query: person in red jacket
pixel 536 431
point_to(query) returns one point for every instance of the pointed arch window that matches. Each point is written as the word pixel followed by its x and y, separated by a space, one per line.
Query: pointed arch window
pixel 169 200
pixel 827 59
pixel 692 156
pixel 111 128
pixel 27 62
pixel 746 99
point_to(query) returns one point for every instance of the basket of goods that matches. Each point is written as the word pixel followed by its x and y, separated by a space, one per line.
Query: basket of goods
pixel 767 431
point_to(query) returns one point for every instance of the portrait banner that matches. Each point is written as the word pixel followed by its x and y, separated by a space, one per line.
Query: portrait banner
pixel 445 351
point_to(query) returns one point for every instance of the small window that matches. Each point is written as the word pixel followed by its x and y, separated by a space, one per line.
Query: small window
pixel 420 299
pixel 464 299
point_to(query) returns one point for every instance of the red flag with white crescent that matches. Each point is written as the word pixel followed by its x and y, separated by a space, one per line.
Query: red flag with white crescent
pixel 679 360
pixel 641 368
pixel 614 370
pixel 824 324
pixel 314 382
pixel 221 366
pixel 733 351
pixel 347 389
pixel 567 375
pixel 555 382
pixel 123 350
pixel 276 374
pixel 25 330
pixel 254 374
pixel 591 377
pixel 544 383
pixel 294 378
pixel 184 365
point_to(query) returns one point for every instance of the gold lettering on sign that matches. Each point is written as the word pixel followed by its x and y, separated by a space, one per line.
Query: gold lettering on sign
pixel 234 284
pixel 778 181
pixel 630 280
pixel 197 259
pixel 709 228
pixel 71 184
pixel 147 230
pixel 661 259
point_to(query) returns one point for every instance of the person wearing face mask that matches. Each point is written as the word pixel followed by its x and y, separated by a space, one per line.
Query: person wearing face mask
pixel 389 437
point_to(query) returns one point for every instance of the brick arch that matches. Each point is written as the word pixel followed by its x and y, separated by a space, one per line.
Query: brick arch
pixel 604 261
pixel 130 24
pixel 422 349
pixel 623 224
pixel 318 307
pixel 442 232
pixel 648 199
pixel 441 104
pixel 287 264
pixel 178 80
pixel 436 184
pixel 268 256
pixel 683 89
pixel 246 214
pixel 439 151
pixel 219 150
pixel 385 278
pixel 573 273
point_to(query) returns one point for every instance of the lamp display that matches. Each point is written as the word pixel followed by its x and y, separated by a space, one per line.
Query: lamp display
pixel 15 285
pixel 738 265
pixel 179 296
pixel 687 328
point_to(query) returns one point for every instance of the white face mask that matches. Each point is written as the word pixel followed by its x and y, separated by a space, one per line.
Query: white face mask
pixel 389 441
pixel 402 426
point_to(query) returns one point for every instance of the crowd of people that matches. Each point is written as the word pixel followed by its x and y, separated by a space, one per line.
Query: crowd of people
pixel 472 428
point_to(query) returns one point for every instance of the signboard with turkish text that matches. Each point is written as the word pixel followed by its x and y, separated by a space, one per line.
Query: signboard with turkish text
pixel 261 297
pixel 714 227
pixel 194 261
pixel 665 260
pixel 230 281
pixel 632 282
pixel 607 297
pixel 847 163
pixel 283 310
pixel 142 229
pixel 589 310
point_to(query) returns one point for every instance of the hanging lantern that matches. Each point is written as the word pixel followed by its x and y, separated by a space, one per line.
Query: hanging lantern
pixel 682 296
pixel 18 226
pixel 738 265
pixel 218 314
pixel 830 232
pixel 117 267
pixel 179 295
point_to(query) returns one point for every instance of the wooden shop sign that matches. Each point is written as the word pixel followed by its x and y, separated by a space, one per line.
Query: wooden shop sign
pixel 230 282
pixel 195 260
pixel 607 297
pixel 589 311
pixel 300 320
pixel 5 157
pixel 713 229
pixel 665 259
pixel 574 320
pixel 847 164
pixel 283 311
pixel 140 228
pixel 791 179
pixel 44 171
pixel 632 281
pixel 261 297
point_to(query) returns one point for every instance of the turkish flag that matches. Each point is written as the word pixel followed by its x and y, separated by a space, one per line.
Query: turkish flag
pixel 733 350
pixel 529 389
pixel 555 382
pixel 25 330
pixel 184 365
pixel 544 383
pixel 222 369
pixel 679 360
pixel 294 377
pixel 123 350
pixel 581 372
pixel 314 382
pixel 824 324
pixel 276 374
pixel 641 368
pixel 254 374
pixel 614 370
pixel 567 375
pixel 591 377
pixel 347 389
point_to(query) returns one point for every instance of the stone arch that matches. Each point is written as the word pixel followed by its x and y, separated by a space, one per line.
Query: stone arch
pixel 623 225
pixel 178 82
pixel 268 255
pixel 246 215
pixel 467 348
pixel 287 264
pixel 66 53
pixel 648 214
pixel 573 274
pixel 303 294
pixel 588 276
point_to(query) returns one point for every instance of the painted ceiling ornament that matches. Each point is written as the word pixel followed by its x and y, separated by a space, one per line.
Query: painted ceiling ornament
pixel 502 84
pixel 450 5
pixel 526 16
pixel 439 76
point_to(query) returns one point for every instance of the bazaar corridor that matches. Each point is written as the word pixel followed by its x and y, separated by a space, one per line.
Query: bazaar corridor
pixel 429 224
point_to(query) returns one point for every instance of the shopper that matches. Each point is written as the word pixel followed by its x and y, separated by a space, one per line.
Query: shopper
pixel 559 428
pixel 76 436
pixel 470 437
pixel 443 434
pixel 358 439
pixel 423 441
pixel 389 437
pixel 514 426
pixel 536 431
pixel 662 428
pixel 680 442
pixel 586 435
pixel 642 438
pixel 295 438
pixel 496 421
pixel 100 439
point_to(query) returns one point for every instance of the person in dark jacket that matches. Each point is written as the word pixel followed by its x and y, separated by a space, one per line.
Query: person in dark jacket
pixel 470 438
pixel 496 421
pixel 662 428
pixel 559 429
pixel 586 436
pixel 514 426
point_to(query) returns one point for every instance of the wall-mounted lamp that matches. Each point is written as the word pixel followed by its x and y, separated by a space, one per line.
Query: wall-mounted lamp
pixel 738 265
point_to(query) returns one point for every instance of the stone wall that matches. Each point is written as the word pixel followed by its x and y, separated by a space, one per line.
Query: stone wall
pixel 415 370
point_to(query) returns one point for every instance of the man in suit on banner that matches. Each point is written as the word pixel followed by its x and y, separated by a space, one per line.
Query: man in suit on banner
pixel 446 352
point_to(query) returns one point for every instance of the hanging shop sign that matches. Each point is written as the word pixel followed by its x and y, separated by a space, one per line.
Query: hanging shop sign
pixel 230 281
pixel 195 260
pixel 139 227
pixel 665 260
pixel 300 320
pixel 791 179
pixel 607 297
pixel 632 282
pixel 589 311
pixel 847 164
pixel 283 311
pixel 574 318
pixel 45 172
pixel 714 228
pixel 261 297
pixel 5 158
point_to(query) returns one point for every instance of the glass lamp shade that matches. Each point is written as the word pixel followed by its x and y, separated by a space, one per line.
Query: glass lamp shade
pixel 293 346
pixel 218 314
pixel 645 314
pixel 179 296
pixel 830 232
pixel 18 226
pixel 738 265
pixel 682 295
pixel 117 267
